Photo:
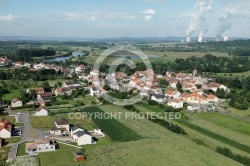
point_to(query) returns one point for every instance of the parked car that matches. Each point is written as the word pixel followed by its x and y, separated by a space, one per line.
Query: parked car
pixel 19 113
pixel 68 142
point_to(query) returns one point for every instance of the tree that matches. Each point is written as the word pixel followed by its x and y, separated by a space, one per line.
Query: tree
pixel 163 83
pixel 179 86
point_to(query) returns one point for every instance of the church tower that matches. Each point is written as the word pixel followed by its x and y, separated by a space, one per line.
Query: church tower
pixel 195 71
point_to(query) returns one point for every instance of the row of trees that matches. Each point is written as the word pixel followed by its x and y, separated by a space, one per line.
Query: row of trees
pixel 228 153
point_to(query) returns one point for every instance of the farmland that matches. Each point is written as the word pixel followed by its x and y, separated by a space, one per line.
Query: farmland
pixel 227 122
pixel 114 129
pixel 157 142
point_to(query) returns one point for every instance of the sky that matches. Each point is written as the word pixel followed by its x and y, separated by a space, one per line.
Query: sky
pixel 119 18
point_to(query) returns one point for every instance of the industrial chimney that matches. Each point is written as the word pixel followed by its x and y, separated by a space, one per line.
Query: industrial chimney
pixel 226 38
pixel 200 39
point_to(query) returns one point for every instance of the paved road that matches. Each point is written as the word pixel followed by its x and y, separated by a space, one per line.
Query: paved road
pixel 25 118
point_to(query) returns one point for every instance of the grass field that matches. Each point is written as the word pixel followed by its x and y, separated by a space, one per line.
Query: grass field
pixel 243 74
pixel 159 147
pixel 9 118
pixel 227 122
pixel 25 160
pixel 114 129
pixel 61 157
pixel 13 139
pixel 231 110
pixel 21 150
pixel 47 122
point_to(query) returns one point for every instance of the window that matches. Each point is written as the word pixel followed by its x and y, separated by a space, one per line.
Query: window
pixel 39 148
pixel 46 147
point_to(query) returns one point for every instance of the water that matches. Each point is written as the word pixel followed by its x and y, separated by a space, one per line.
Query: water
pixel 58 59
pixel 135 56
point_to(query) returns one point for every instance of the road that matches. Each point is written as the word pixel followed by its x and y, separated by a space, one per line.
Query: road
pixel 25 118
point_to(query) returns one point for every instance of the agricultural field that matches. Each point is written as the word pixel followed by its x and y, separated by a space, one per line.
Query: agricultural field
pixel 232 75
pixel 4 155
pixel 157 142
pixel 237 125
pixel 62 156
pixel 114 129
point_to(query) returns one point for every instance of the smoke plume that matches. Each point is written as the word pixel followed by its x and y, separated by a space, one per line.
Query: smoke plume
pixel 198 18
pixel 225 24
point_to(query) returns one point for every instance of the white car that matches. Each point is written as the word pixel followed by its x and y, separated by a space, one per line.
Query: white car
pixel 19 113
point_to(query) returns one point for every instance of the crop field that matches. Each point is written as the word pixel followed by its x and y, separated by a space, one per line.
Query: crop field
pixel 227 122
pixel 62 156
pixel 234 111
pixel 114 129
pixel 159 146
pixel 25 160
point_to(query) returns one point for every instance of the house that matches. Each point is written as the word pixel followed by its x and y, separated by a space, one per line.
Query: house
pixel 42 145
pixel 41 111
pixel 159 98
pixel 16 103
pixel 172 94
pixel 94 73
pixel 80 68
pixel 37 90
pixel 212 98
pixel 71 84
pixel 63 91
pixel 196 98
pixel 4 61
pixel 94 91
pixel 99 132
pixel 215 86
pixel 83 138
pixel 5 128
pixel 44 97
pixel 176 103
pixel 22 64
pixel 61 126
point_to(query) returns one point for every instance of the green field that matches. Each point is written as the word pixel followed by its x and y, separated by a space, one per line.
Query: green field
pixel 21 150
pixel 227 122
pixel 159 147
pixel 47 122
pixel 4 155
pixel 13 139
pixel 114 129
pixel 234 111
pixel 62 156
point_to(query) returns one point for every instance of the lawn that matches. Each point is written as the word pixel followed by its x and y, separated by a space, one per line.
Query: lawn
pixel 227 122
pixel 113 128
pixel 47 122
pixel 9 118
pixel 13 139
pixel 62 156
pixel 243 74
pixel 21 150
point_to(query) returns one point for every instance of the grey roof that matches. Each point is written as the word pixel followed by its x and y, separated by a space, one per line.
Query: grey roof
pixel 80 133
pixel 159 96
pixel 75 127
pixel 61 121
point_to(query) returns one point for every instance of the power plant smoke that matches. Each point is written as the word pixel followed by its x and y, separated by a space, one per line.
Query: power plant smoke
pixel 224 25
pixel 198 19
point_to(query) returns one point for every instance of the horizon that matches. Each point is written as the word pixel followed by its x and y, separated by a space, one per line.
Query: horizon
pixel 112 19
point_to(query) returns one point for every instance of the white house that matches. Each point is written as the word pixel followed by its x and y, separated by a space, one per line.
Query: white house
pixel 5 128
pixel 42 111
pixel 43 145
pixel 80 68
pixel 61 126
pixel 16 103
pixel 212 98
pixel 159 98
pixel 83 138
pixel 172 94
pixel 176 103
pixel 94 73
pixel 94 91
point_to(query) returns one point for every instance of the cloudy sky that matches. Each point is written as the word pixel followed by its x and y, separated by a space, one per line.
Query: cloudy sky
pixel 117 18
